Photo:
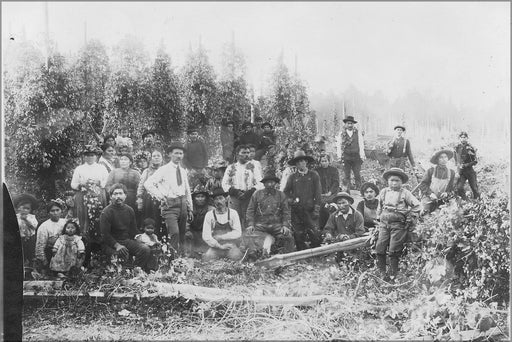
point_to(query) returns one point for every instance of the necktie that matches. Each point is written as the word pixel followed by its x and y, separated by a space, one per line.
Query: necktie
pixel 178 175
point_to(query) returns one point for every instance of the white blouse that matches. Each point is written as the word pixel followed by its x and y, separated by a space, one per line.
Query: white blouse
pixel 82 173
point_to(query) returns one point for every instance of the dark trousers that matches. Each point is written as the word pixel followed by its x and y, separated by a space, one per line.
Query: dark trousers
pixel 352 165
pixel 240 205
pixel 141 252
pixel 305 228
pixel 393 235
pixel 470 175
pixel 175 216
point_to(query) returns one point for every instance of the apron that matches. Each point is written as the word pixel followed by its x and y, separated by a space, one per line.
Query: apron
pixel 369 214
pixel 222 228
pixel 438 185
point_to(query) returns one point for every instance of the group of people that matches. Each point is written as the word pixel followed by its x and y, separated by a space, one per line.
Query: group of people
pixel 132 210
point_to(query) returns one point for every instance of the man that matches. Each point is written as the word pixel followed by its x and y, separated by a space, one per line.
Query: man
pixel 268 214
pixel 399 149
pixel 249 136
pixel 303 189
pixel 118 229
pixel 465 158
pixel 241 180
pixel 227 139
pixel 351 151
pixel 215 181
pixel 222 230
pixel 193 236
pixel 148 140
pixel 252 155
pixel 330 181
pixel 196 157
pixel 258 122
pixel 438 182
pixel 268 139
pixel 169 185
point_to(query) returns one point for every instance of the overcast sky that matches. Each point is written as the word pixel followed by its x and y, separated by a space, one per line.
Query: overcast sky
pixel 461 50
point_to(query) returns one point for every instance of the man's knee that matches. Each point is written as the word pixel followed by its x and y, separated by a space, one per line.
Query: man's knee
pixel 210 255
pixel 235 254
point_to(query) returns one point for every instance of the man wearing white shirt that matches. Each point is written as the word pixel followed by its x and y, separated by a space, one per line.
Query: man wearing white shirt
pixel 240 180
pixel 351 151
pixel 169 185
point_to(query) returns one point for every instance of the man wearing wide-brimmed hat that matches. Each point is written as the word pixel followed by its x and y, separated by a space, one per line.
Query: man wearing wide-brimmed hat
pixel 303 189
pixel 248 136
pixel 169 185
pixel 351 151
pixel 268 213
pixel 196 157
pixel 438 183
pixel 399 149
pixel 345 223
pixel 217 170
pixel 465 159
pixel 398 210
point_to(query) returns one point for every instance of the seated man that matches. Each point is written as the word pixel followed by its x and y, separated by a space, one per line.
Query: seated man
pixel 193 237
pixel 118 230
pixel 368 206
pixel 345 223
pixel 222 229
pixel 268 215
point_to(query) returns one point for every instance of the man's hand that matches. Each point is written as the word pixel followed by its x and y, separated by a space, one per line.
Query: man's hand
pixel 225 246
pixel 328 237
pixel 342 237
pixel 190 216
pixel 122 251
pixel 249 230
pixel 327 194
pixel 139 203
pixel 433 197
pixel 286 231
pixel 443 195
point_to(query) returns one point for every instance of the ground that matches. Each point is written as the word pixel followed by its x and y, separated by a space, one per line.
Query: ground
pixel 357 304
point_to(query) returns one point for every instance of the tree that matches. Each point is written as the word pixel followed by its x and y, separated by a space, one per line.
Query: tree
pixel 199 90
pixel 281 94
pixel 233 95
pixel 167 111
pixel 42 123
pixel 91 73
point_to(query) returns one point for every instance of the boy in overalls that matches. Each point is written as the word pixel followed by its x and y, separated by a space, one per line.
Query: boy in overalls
pixel 398 210
pixel 222 229
pixel 438 182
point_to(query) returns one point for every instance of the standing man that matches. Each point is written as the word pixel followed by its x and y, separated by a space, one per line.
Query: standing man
pixel 268 139
pixel 169 185
pixel 249 136
pixel 148 140
pixel 268 213
pixel 351 151
pixel 303 189
pixel 330 180
pixel 438 183
pixel 399 149
pixel 118 229
pixel 227 139
pixel 241 180
pixel 196 157
pixel 465 158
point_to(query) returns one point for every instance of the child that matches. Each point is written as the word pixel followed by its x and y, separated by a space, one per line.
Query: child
pixel 368 206
pixel 27 222
pixel 123 140
pixel 69 249
pixel 398 210
pixel 49 232
pixel 151 240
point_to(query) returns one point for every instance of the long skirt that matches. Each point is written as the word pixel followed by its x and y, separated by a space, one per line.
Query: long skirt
pixel 81 210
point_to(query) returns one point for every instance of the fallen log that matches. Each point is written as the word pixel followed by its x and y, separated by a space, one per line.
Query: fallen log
pixel 42 284
pixel 285 259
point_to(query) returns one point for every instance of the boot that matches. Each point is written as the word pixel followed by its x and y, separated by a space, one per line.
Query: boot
pixel 381 264
pixel 393 265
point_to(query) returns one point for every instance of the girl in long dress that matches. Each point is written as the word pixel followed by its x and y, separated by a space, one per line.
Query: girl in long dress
pixel 69 249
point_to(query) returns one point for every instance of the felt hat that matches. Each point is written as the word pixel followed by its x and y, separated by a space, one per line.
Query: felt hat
pixel 247 124
pixel 343 195
pixel 270 175
pixel 148 132
pixel 300 155
pixel 229 122
pixel 90 149
pixel 200 189
pixel 175 145
pixel 219 165
pixel 435 157
pixel 25 198
pixel 349 118
pixel 218 192
pixel 399 126
pixel 267 124
pixel 140 155
pixel 258 118
pixel 192 129
pixel 369 185
pixel 396 171
pixel 463 133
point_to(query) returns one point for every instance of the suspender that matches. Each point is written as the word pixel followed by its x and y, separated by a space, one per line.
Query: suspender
pixel 215 216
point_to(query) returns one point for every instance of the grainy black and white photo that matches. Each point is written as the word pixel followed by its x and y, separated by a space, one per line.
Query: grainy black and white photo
pixel 256 171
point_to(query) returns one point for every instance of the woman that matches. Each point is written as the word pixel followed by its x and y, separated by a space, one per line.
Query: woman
pixel 149 207
pixel 89 180
pixel 127 176
pixel 108 159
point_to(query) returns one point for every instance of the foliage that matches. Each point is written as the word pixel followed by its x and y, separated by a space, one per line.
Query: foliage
pixel 199 90
pixel 474 241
